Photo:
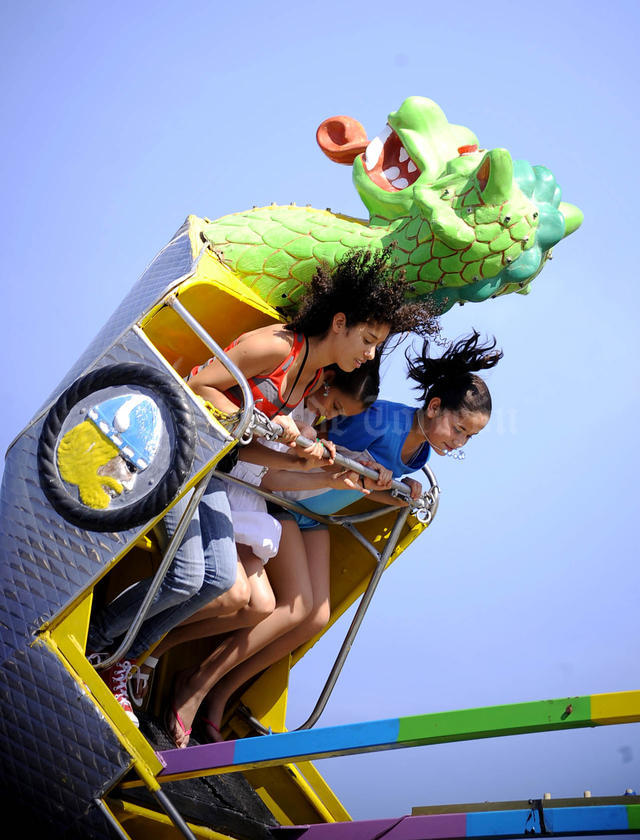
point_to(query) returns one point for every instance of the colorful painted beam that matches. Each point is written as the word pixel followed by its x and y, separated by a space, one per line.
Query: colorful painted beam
pixel 577 820
pixel 396 733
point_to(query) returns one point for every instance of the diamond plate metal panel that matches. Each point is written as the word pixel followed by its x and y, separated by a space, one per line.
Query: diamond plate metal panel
pixel 47 561
pixel 58 751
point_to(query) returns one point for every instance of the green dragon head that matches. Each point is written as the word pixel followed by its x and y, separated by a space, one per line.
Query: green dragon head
pixel 468 223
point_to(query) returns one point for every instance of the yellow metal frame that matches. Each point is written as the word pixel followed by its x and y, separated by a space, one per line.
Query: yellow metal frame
pixel 67 641
pixel 154 823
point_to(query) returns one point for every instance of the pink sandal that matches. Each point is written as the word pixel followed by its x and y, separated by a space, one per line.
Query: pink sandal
pixel 210 723
pixel 180 723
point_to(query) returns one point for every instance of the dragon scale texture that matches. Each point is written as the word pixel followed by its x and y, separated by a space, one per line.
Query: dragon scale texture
pixel 465 224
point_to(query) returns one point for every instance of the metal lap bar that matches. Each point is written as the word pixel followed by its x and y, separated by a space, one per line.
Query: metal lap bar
pixel 287 504
pixel 266 429
pixel 363 606
pixel 430 506
pixel 156 583
pixel 218 352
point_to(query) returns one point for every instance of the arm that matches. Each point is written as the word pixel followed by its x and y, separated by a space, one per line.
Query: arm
pixel 256 453
pixel 335 479
pixel 257 353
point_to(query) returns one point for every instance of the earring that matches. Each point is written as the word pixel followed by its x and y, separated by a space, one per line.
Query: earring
pixel 325 389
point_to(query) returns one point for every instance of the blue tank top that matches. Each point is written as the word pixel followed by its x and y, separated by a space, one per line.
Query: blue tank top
pixel 382 430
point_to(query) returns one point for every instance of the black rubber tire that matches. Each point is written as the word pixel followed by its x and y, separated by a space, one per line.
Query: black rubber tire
pixel 160 496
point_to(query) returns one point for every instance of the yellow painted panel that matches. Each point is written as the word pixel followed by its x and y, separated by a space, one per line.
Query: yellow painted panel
pixel 143 822
pixel 298 802
pixel 219 301
pixel 268 700
pixel 72 656
pixel 304 795
pixel 352 565
pixel 273 806
pixel 619 707
pixel 75 624
pixel 317 782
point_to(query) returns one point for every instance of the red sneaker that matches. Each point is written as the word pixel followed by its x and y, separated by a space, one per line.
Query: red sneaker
pixel 140 680
pixel 116 679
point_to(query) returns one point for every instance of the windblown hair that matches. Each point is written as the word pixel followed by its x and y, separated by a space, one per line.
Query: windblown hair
pixel 366 287
pixel 451 377
pixel 363 384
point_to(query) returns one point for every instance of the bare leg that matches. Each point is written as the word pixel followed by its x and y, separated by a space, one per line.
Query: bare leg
pixel 317 549
pixel 230 602
pixel 200 624
pixel 249 610
pixel 290 579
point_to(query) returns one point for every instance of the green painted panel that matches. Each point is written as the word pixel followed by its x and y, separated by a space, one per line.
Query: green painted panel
pixel 492 721
pixel 633 814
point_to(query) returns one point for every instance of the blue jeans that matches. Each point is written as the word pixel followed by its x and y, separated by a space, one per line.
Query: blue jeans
pixel 204 567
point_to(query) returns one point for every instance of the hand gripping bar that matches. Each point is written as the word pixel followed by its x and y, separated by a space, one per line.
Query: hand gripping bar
pixel 263 427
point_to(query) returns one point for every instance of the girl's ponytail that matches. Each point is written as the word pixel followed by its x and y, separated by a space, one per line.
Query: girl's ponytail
pixel 451 376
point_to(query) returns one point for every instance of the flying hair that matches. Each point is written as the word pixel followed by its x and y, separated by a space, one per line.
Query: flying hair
pixel 452 377
pixel 366 287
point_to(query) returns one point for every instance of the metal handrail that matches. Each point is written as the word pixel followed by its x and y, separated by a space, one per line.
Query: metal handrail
pixel 425 513
pixel 263 427
pixel 424 508
pixel 161 571
pixel 218 352
pixel 363 606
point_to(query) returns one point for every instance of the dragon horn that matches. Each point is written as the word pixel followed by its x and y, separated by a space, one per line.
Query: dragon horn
pixel 495 176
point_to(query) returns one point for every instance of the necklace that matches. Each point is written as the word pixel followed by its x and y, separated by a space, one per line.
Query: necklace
pixel 456 454
pixel 421 426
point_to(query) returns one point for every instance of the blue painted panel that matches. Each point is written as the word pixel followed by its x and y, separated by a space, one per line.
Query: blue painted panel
pixel 592 818
pixel 501 822
pixel 333 739
pixel 579 820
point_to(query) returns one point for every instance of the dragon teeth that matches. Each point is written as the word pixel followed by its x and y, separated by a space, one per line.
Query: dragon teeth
pixel 400 183
pixel 374 149
pixel 391 173
pixel 404 155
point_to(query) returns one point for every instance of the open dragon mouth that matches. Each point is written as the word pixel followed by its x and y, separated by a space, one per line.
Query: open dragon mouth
pixel 387 162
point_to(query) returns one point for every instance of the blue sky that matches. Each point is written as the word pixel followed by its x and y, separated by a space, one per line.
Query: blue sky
pixel 121 119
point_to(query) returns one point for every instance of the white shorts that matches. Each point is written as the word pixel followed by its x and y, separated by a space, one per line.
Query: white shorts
pixel 252 525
